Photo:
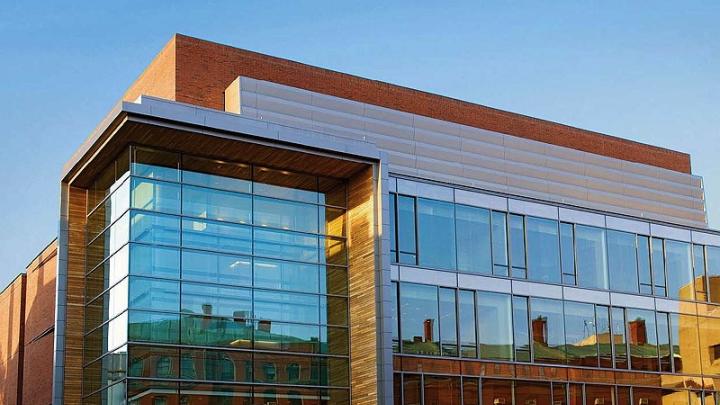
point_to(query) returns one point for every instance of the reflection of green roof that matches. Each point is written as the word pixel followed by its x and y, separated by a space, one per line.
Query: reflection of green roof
pixel 215 332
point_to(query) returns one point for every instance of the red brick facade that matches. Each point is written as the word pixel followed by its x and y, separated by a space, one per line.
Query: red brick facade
pixel 27 321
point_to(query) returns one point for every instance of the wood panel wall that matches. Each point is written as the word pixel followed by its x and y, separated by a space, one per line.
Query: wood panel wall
pixel 362 273
pixel 74 323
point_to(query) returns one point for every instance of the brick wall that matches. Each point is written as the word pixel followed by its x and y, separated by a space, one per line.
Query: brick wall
pixel 27 320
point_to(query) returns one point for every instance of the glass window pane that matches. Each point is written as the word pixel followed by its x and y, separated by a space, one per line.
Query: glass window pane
pixel 543 250
pixel 108 242
pixel 499 244
pixel 713 273
pixel 152 294
pixel 216 268
pixel 214 365
pixel 548 330
pixel 686 348
pixel 106 371
pixel 644 273
pixel 153 362
pixel 448 322
pixel 407 245
pixel 412 388
pixel 285 184
pixel 215 204
pixel 658 267
pixel 642 336
pixel 591 257
pixel 521 328
pixel 468 329
pixel 286 245
pixel 154 261
pixel 155 164
pixel 154 228
pixel 678 256
pixel 619 338
pixel 281 275
pixel 108 273
pixel 215 300
pixel 393 227
pixel 473 239
pixel 537 393
pixel 699 279
pixel 495 331
pixel 332 221
pixel 395 318
pixel 471 391
pixel 153 327
pixel 107 306
pixel 436 233
pixel 335 250
pixel 288 215
pixel 110 210
pixel 709 330
pixel 581 335
pixel 286 307
pixel 204 330
pixel 108 337
pixel 216 236
pixel 216 174
pixel 663 336
pixel 497 392
pixel 333 280
pixel 419 319
pixel 599 394
pixel 443 390
pixel 602 319
pixel 334 340
pixel 567 251
pixel 148 392
pixel 517 246
pixel 622 261
pixel 332 191
pixel 157 196
pixel 333 310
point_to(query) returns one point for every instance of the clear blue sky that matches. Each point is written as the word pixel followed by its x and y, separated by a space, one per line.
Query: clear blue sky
pixel 648 71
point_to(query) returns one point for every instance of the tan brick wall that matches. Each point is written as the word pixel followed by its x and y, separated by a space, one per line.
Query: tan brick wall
pixel 204 69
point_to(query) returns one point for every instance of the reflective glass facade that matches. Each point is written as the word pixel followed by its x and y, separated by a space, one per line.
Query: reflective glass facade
pixel 215 283
pixel 653 340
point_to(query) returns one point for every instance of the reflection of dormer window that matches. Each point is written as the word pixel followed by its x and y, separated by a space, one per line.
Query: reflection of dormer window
pixel 293 372
pixel 270 373
pixel 714 352
pixel 163 367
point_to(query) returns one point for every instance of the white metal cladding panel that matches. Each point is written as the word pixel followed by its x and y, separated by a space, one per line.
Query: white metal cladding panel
pixel 468 156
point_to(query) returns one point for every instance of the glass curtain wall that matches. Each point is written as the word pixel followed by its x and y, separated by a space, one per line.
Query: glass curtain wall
pixel 220 279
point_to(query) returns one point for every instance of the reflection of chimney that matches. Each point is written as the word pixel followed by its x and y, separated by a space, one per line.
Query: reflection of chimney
pixel 264 326
pixel 637 332
pixel 240 316
pixel 428 330
pixel 207 309
pixel 539 330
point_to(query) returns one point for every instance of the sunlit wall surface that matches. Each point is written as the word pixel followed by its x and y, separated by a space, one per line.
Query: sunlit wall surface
pixel 216 283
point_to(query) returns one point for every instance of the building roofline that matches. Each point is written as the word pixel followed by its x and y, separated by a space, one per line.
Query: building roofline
pixel 220 64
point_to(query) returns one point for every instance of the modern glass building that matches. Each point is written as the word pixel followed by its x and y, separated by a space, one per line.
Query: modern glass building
pixel 243 229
